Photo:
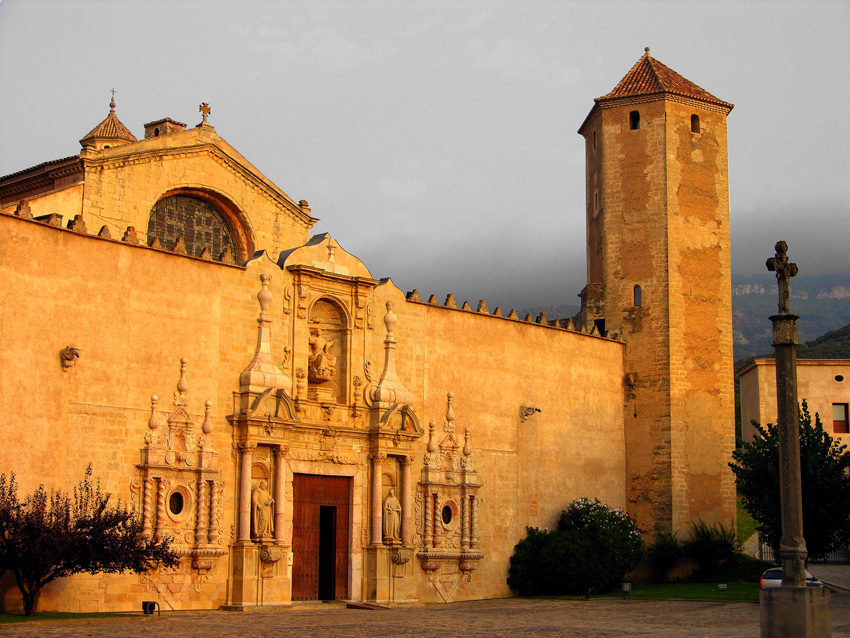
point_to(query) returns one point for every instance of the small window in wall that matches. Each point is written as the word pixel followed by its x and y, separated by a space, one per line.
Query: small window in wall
pixel 175 503
pixel 634 120
pixel 638 300
pixel 839 418
pixel 839 378
pixel 695 123
pixel 600 325
pixel 596 202
pixel 594 140
pixel 156 132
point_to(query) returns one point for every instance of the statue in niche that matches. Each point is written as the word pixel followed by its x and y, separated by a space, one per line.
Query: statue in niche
pixel 392 517
pixel 262 503
pixel 322 362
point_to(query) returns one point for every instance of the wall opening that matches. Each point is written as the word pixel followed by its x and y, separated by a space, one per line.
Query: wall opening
pixel 634 120
pixel 638 296
pixel 695 123
pixel 327 552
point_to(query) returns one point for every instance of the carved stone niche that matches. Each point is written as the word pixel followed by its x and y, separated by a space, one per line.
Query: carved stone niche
pixel 448 504
pixel 179 485
pixel 328 352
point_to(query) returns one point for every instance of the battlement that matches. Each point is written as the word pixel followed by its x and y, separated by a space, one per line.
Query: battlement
pixel 541 319
pixel 130 236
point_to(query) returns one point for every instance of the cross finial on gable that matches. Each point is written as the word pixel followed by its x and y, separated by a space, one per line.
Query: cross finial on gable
pixel 784 270
pixel 205 110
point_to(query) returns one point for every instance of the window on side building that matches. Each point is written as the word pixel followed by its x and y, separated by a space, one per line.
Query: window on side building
pixel 839 418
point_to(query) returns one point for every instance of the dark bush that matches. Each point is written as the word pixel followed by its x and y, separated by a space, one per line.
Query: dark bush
pixel 594 546
pixel 738 567
pixel 664 554
pixel 710 545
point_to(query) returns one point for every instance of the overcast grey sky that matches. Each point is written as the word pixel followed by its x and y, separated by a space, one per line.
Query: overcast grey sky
pixel 437 140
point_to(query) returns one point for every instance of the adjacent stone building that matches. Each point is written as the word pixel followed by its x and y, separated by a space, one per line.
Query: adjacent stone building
pixel 304 431
pixel 822 383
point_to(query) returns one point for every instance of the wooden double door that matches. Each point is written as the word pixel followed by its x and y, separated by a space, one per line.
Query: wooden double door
pixel 320 536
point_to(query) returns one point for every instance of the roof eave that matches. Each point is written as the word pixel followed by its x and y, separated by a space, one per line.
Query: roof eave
pixel 615 98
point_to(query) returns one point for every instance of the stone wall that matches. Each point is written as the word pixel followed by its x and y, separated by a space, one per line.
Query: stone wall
pixel 134 312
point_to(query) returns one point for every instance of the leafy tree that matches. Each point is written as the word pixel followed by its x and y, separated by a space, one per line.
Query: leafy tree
pixel 593 546
pixel 825 485
pixel 44 537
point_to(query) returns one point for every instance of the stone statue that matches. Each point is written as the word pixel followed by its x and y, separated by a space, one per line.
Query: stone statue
pixel 262 502
pixel 392 517
pixel 322 362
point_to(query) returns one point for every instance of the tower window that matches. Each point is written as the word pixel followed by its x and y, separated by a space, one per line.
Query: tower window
pixel 634 120
pixel 594 140
pixel 156 132
pixel 637 293
pixel 695 123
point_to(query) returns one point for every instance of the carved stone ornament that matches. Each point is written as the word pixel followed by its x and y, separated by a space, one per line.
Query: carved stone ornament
pixel 69 355
pixel 390 391
pixel 178 488
pixel 448 509
pixel 261 373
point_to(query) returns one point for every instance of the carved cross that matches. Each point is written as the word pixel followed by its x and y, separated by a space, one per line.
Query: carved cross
pixel 206 110
pixel 784 270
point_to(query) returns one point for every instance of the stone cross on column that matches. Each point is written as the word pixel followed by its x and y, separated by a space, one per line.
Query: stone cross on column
pixel 792 547
pixel 205 111
pixel 784 270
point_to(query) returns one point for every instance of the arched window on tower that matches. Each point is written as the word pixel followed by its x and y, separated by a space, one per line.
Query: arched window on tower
pixel 637 293
pixel 695 123
pixel 634 120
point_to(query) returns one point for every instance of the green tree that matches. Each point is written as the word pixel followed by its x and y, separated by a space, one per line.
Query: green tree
pixel 825 485
pixel 48 536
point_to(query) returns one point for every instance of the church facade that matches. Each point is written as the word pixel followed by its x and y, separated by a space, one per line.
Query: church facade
pixel 304 431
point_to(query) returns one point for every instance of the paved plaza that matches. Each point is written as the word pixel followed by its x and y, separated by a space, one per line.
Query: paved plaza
pixel 608 618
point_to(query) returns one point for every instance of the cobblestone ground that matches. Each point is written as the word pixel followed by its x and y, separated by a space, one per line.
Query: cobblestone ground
pixel 602 618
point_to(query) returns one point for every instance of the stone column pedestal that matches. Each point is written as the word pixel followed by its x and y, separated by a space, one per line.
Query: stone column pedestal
pixel 261 576
pixel 244 586
pixel 378 574
pixel 795 612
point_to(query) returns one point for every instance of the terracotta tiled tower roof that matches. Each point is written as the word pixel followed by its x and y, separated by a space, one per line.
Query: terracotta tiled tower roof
pixel 649 76
pixel 111 129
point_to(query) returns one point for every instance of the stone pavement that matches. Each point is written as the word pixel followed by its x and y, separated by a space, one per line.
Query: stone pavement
pixel 598 618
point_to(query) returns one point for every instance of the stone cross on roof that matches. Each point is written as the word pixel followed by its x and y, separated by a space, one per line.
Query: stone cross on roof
pixel 784 270
pixel 205 110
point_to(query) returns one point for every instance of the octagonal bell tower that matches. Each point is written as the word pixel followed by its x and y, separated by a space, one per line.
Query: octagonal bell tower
pixel 658 272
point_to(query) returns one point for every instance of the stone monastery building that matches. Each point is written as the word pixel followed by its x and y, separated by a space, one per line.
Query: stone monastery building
pixel 304 431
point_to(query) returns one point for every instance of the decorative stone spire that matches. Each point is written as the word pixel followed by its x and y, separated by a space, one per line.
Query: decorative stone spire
pixel 180 397
pixel 450 414
pixel 390 390
pixel 207 425
pixel 262 373
pixel 155 420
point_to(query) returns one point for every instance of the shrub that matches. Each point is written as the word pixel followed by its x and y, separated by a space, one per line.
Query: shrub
pixel 664 554
pixel 710 545
pixel 593 546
